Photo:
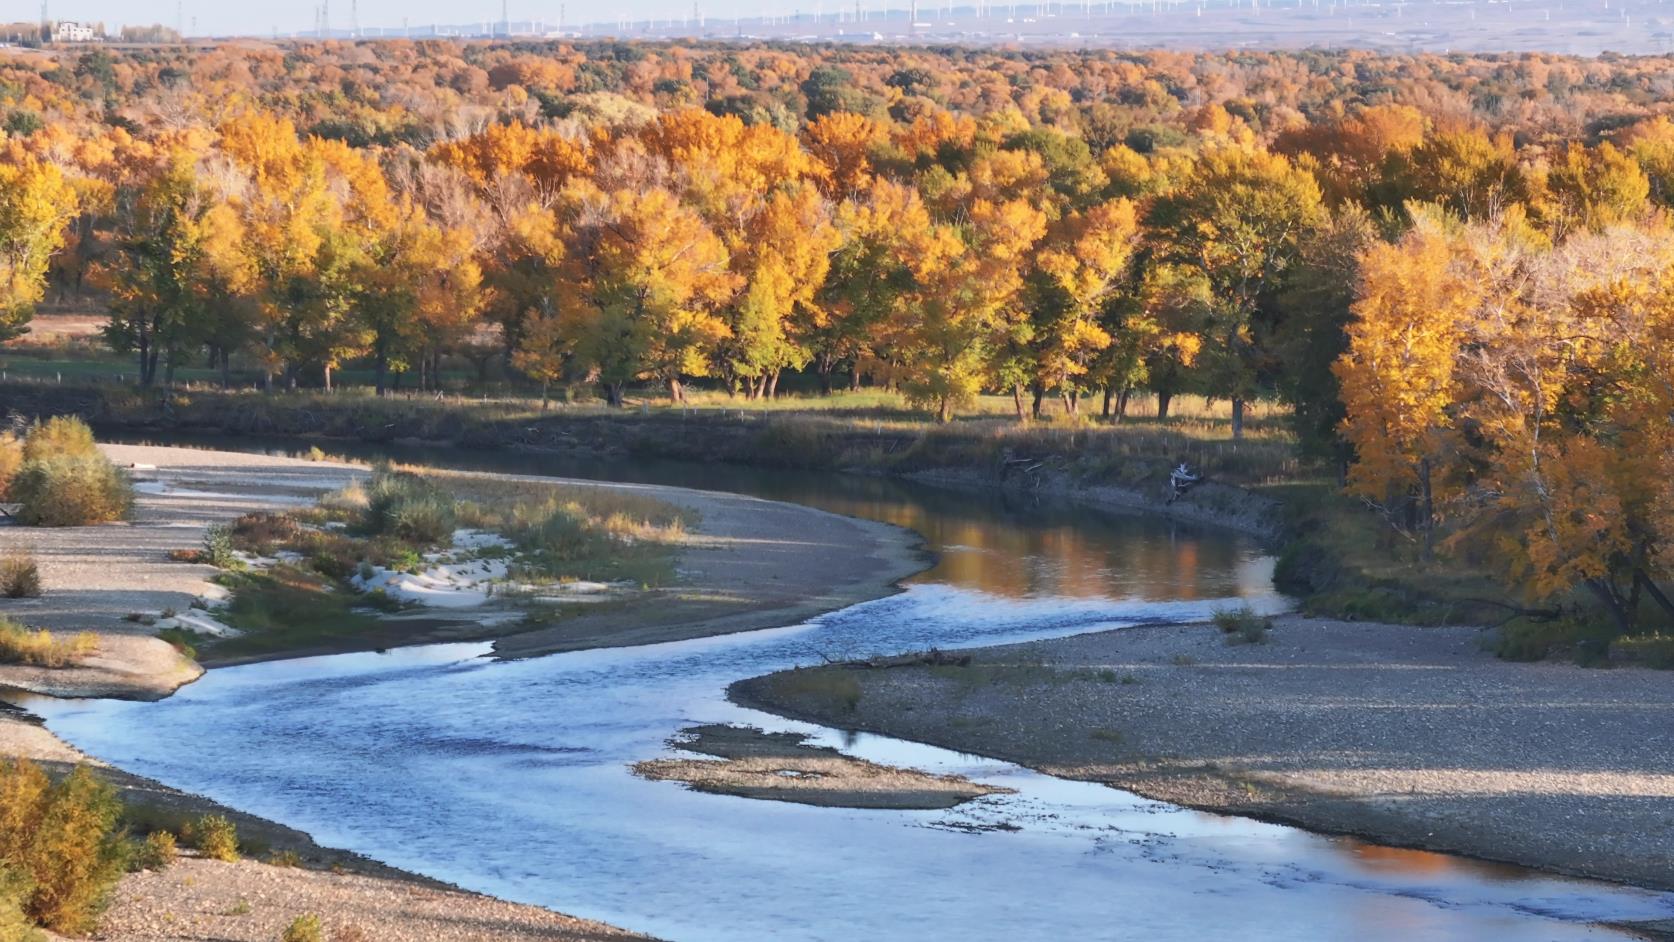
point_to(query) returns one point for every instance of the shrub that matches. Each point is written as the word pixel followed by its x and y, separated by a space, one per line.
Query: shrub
pixel 1652 650
pixel 71 491
pixel 284 858
pixel 20 577
pixel 62 436
pixel 407 506
pixel 156 852
pixel 218 547
pixel 1242 626
pixel 185 641
pixel 20 645
pixel 11 458
pixel 304 929
pixel 263 532
pixel 215 837
pixel 14 895
pixel 62 837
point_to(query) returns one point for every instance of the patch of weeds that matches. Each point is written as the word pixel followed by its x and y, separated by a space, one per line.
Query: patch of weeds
pixel 240 908
pixel 1105 734
pixel 20 575
pixel 305 928
pixel 1653 650
pixel 184 640
pixel 1588 641
pixel 1182 660
pixel 286 607
pixel 284 858
pixel 213 836
pixel 40 648
pixel 1242 626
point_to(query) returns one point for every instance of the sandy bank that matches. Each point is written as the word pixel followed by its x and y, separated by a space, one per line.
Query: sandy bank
pixel 1407 736
pixel 751 763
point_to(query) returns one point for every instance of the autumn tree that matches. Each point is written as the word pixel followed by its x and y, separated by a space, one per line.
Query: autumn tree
pixel 1239 217
pixel 36 202
pixel 1397 379
pixel 653 276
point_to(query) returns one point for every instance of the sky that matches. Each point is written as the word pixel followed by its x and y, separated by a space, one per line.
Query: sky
pixel 262 17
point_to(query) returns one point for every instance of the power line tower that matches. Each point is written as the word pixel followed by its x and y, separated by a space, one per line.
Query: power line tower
pixel 325 18
pixel 354 19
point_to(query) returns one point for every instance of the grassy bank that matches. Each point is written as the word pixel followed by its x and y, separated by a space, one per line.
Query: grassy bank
pixel 1338 557
pixel 329 575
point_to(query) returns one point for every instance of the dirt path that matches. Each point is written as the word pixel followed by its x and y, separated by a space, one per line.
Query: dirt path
pixel 1407 736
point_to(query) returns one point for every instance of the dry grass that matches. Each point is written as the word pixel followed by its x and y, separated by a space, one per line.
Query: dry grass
pixel 20 575
pixel 41 648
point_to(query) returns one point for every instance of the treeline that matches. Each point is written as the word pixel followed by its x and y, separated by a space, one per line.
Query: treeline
pixel 1465 304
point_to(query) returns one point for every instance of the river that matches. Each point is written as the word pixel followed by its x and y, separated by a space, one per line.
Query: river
pixel 512 778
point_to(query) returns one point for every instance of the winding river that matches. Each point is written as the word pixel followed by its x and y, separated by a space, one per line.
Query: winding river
pixel 511 778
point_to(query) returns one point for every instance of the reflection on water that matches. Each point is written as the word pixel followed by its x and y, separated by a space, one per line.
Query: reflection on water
pixel 511 778
pixel 1002 544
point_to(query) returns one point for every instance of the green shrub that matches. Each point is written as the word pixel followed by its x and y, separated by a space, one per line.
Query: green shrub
pixel 215 837
pixel 184 640
pixel 40 648
pixel 304 929
pixel 71 491
pixel 156 852
pixel 407 506
pixel 62 436
pixel 14 895
pixel 1242 625
pixel 1534 639
pixel 218 547
pixel 1652 650
pixel 20 577
pixel 62 838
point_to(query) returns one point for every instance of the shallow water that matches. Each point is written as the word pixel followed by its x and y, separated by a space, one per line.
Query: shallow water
pixel 511 778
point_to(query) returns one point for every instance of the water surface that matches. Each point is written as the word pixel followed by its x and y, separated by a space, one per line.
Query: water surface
pixel 511 778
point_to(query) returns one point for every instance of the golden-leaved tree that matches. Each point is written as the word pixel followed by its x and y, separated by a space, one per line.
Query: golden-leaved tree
pixel 36 202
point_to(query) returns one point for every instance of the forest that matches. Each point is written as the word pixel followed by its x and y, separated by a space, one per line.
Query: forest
pixel 1456 272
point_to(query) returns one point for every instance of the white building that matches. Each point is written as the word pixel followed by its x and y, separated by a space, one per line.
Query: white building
pixel 72 32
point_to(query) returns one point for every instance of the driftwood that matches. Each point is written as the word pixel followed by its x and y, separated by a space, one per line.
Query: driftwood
pixel 930 658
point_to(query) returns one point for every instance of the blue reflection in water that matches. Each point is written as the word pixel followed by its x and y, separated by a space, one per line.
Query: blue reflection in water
pixel 511 778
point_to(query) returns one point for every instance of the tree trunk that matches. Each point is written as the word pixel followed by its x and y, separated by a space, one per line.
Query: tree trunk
pixel 144 359
pixel 854 378
pixel 1122 405
pixel 1017 400
pixel 226 368
pixel 1163 399
pixel 1612 601
pixel 1655 591
pixel 545 384
pixel 1237 418
pixel 382 371
pixel 944 411
pixel 676 391
pixel 773 385
pixel 1040 394
pixel 613 394
pixel 1104 410
pixel 1428 509
pixel 327 370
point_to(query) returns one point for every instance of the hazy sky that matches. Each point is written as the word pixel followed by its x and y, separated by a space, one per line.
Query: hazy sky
pixel 219 17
